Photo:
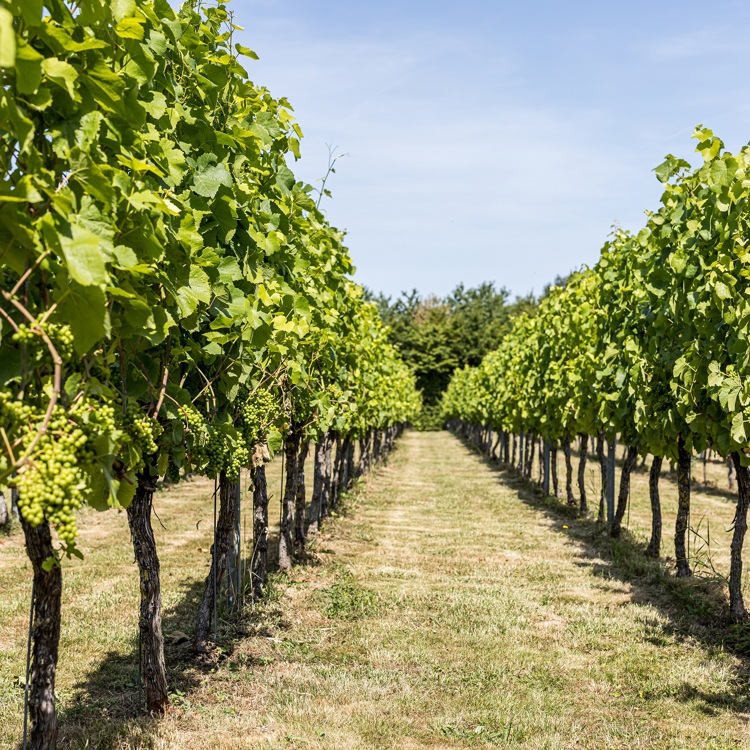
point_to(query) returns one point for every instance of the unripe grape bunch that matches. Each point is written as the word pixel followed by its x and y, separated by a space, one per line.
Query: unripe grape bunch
pixel 143 430
pixel 256 415
pixel 51 483
pixel 59 334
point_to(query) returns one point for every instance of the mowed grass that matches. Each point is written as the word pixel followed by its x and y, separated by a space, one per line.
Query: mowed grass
pixel 450 607
pixel 711 517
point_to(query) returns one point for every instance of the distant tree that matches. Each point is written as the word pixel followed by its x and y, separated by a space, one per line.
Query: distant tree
pixel 421 330
pixel 430 347
pixel 437 335
pixel 479 317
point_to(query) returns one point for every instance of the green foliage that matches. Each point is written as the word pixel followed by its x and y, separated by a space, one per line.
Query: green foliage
pixel 171 294
pixel 437 336
pixel 421 330
pixel 430 418
pixel 652 342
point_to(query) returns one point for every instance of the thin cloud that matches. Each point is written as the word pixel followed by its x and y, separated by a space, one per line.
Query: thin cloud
pixel 697 45
pixel 470 160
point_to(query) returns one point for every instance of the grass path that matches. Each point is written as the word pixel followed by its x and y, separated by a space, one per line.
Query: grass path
pixel 443 612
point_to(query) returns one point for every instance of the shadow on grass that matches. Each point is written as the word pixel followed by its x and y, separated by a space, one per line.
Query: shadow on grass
pixel 109 703
pixel 711 490
pixel 696 608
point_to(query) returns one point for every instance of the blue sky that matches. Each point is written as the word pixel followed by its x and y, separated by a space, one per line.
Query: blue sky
pixel 495 140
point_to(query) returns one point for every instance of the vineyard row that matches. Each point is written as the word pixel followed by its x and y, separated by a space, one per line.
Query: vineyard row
pixel 650 347
pixel 173 301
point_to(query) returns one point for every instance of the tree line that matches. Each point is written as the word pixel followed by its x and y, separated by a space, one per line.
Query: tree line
pixel 438 335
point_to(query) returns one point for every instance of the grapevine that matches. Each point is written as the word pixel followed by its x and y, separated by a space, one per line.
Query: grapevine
pixel 176 262
pixel 53 482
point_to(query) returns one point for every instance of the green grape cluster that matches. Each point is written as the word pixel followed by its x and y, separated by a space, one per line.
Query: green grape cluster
pixel 211 450
pixel 256 415
pixel 215 452
pixel 173 472
pixel 220 453
pixel 197 435
pixel 51 484
pixel 207 446
pixel 97 417
pixel 25 335
pixel 59 334
pixel 194 421
pixel 143 429
pixel 15 413
pixel 236 461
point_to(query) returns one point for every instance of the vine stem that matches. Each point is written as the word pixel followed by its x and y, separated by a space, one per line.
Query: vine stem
pixel 49 312
pixel 10 320
pixel 28 273
pixel 164 380
pixel 331 170
pixel 8 446
pixel 56 382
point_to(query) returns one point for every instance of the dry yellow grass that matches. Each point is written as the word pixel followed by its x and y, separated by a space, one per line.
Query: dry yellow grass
pixel 711 516
pixel 450 608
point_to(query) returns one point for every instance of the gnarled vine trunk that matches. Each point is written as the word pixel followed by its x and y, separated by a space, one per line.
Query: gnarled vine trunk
pixel 350 469
pixel 313 517
pixel 583 507
pixel 497 444
pixel 631 456
pixel 568 472
pixel 363 465
pixel 259 564
pixel 219 551
pixel 553 466
pixel 338 466
pixel 344 471
pixel 300 499
pixel 530 451
pixel 654 545
pixel 602 456
pixel 737 609
pixel 286 529
pixel 45 636
pixel 683 509
pixel 377 442
pixel 325 497
pixel 153 667
pixel 542 473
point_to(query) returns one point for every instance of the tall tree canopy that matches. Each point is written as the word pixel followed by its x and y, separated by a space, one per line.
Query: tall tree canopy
pixel 437 335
